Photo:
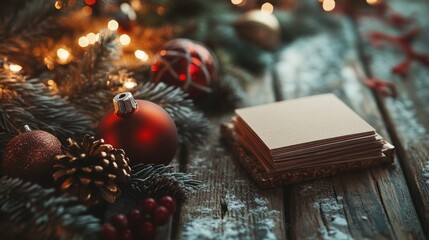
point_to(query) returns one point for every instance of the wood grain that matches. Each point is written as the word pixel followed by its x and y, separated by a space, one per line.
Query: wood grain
pixel 407 116
pixel 230 206
pixel 367 204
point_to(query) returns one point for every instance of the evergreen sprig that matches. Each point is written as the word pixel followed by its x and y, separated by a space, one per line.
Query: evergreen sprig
pixel 31 102
pixel 160 180
pixel 94 80
pixel 28 211
pixel 33 23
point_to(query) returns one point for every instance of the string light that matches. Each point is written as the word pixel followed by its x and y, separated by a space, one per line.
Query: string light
pixel 92 38
pixel 328 5
pixel 136 4
pixel 90 2
pixel 372 2
pixel 236 2
pixel 49 63
pixel 130 84
pixel 83 41
pixel 87 11
pixel 52 84
pixel 142 55
pixel 124 39
pixel 267 8
pixel 129 11
pixel 14 67
pixel 113 25
pixel 160 10
pixel 64 56
pixel 58 5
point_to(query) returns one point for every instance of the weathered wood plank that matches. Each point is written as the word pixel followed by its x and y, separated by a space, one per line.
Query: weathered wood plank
pixel 230 206
pixel 367 204
pixel 408 115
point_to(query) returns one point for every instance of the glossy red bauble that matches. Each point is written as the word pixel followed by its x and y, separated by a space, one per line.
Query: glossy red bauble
pixel 186 64
pixel 142 129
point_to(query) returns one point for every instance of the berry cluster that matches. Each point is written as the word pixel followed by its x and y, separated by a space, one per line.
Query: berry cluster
pixel 140 223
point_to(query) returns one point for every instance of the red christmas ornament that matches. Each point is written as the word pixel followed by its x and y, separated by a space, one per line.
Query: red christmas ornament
pixel 31 156
pixel 141 128
pixel 186 64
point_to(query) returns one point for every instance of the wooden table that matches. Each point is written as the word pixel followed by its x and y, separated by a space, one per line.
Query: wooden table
pixel 326 56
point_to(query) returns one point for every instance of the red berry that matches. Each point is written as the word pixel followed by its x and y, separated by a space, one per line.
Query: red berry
pixel 169 203
pixel 147 231
pixel 134 217
pixel 108 232
pixel 148 205
pixel 120 222
pixel 126 235
pixel 160 216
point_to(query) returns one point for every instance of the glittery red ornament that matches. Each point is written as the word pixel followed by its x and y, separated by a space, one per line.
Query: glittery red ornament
pixel 31 156
pixel 186 64
pixel 141 128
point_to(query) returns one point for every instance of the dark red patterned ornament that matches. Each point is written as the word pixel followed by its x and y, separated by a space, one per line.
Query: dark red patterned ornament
pixel 141 128
pixel 186 64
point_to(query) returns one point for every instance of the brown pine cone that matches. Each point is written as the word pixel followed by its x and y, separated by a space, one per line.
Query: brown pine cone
pixel 93 171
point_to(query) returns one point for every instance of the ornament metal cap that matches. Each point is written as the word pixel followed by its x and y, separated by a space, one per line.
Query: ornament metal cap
pixel 24 129
pixel 124 104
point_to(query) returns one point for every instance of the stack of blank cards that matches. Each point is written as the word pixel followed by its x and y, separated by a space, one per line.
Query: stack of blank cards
pixel 306 138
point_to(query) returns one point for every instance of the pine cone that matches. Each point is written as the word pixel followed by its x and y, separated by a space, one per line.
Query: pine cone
pixel 92 170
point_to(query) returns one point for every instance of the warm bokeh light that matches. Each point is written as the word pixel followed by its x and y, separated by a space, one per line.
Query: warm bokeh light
pixel 14 67
pixel 87 11
pixel 160 10
pixel 124 39
pixel 64 56
pixel 372 2
pixel 136 5
pixel 83 41
pixel 92 38
pixel 236 2
pixel 142 55
pixel 50 82
pixel 49 63
pixel 90 2
pixel 328 5
pixel 130 84
pixel 267 8
pixel 58 5
pixel 113 25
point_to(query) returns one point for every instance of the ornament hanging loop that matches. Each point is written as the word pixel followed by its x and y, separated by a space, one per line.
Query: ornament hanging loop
pixel 124 104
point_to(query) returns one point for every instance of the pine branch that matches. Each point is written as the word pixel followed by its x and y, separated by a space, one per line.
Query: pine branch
pixel 31 102
pixel 227 94
pixel 152 181
pixel 93 83
pixel 28 211
pixel 191 124
pixel 33 24
pixel 91 72
pixel 159 180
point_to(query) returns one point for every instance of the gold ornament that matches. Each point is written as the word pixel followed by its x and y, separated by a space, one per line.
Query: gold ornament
pixel 260 28
pixel 92 170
